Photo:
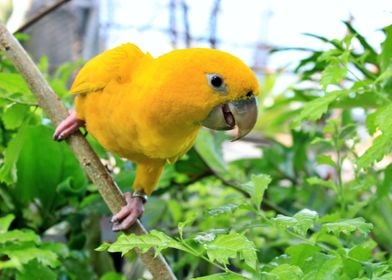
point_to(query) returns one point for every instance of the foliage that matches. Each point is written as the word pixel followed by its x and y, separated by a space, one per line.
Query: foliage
pixel 316 204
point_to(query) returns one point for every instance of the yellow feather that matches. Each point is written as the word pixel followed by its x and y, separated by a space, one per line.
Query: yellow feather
pixel 149 110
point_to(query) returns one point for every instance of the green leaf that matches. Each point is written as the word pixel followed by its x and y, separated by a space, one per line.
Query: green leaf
pixel 229 246
pixel 189 220
pixel 8 170
pixel 224 209
pixel 19 236
pixel 314 109
pixel 326 159
pixel 325 183
pixel 5 222
pixel 157 239
pixel 36 270
pixel 14 115
pixel 287 272
pixel 386 52
pixel 382 144
pixel 386 187
pixel 12 83
pixel 334 73
pixel 300 223
pixel 322 267
pixel 41 157
pixel 348 225
pixel 112 276
pixel 300 253
pixel 211 152
pixel 221 276
pixel 25 253
pixel 259 185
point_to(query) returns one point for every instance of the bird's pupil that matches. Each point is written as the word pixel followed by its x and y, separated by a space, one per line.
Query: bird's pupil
pixel 249 94
pixel 216 81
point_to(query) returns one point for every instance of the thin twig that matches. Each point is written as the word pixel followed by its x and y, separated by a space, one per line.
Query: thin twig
pixel 40 15
pixel 213 23
pixel 90 162
pixel 188 38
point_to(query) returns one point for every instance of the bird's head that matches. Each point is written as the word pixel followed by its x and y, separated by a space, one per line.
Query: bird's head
pixel 217 88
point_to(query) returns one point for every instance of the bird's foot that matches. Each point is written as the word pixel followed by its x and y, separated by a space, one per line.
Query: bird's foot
pixel 129 213
pixel 67 127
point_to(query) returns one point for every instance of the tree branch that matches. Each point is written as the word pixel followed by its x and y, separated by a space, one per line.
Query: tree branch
pixel 91 164
pixel 40 15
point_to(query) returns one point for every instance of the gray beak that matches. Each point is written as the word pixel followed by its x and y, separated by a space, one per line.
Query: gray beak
pixel 240 115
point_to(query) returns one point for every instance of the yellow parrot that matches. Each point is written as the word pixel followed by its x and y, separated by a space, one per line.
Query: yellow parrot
pixel 149 110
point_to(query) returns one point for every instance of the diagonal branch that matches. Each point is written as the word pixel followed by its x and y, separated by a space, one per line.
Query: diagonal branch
pixel 91 164
pixel 41 14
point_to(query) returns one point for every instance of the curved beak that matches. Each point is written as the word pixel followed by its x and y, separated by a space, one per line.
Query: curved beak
pixel 240 115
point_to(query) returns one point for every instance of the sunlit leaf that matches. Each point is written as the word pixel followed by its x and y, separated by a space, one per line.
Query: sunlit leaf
pixel 157 239
pixel 314 109
pixel 286 272
pixel 349 225
pixel 229 246
pixel 300 223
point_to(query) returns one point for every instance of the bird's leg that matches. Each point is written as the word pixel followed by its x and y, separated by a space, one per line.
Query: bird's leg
pixel 67 127
pixel 147 176
pixel 129 213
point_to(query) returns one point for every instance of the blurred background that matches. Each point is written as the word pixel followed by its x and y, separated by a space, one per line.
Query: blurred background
pixel 249 29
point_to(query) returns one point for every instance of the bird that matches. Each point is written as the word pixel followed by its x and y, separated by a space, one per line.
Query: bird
pixel 150 110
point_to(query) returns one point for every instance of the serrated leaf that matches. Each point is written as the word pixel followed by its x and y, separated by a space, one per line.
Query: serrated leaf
pixel 229 246
pixel 157 239
pixel 260 184
pixel 19 236
pixel 300 223
pixel 314 109
pixel 349 225
pixel 224 209
pixel 334 73
pixel 5 222
pixel 25 253
pixel 382 144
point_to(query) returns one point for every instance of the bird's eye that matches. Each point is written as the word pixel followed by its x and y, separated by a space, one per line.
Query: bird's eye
pixel 216 82
pixel 249 94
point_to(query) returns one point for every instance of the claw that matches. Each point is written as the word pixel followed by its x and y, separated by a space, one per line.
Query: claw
pixel 128 214
pixel 67 127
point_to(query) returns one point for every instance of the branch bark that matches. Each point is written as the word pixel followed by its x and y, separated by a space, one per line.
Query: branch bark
pixel 90 162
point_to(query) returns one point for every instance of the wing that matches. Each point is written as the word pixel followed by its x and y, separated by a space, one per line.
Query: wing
pixel 115 64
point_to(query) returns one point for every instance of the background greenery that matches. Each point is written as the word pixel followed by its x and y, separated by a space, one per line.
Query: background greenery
pixel 317 206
